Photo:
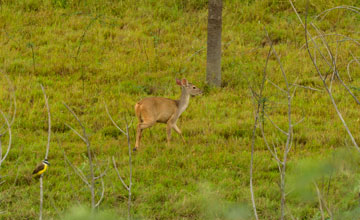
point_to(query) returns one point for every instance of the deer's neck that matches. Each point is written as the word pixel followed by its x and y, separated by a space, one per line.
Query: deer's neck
pixel 184 101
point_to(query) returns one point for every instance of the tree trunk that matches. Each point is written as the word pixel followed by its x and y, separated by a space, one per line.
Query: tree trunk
pixel 213 65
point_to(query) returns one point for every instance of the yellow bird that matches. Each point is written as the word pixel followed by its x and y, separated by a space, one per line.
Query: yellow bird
pixel 41 168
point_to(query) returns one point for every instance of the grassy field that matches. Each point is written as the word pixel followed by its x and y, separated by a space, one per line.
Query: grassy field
pixel 89 52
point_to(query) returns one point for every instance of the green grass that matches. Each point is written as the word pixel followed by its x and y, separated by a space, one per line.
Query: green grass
pixel 90 52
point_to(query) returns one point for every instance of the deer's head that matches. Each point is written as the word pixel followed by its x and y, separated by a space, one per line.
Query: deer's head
pixel 190 88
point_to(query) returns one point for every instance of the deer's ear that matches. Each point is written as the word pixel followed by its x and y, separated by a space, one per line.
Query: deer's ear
pixel 184 82
pixel 178 82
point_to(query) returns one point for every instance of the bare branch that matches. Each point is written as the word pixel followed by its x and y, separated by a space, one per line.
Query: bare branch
pixel 315 37
pixel 49 122
pixel 348 69
pixel 344 38
pixel 257 112
pixel 273 123
pixel 322 202
pixel 321 35
pixel 102 174
pixel 278 87
pixel 306 87
pixel 102 193
pixel 324 83
pixel 14 101
pixel 128 187
pixel 41 197
pixel 289 135
pixel 348 66
pixel 85 137
pixel 196 52
pixel 301 120
pixel 47 150
pixel 118 174
pixel 2 158
pixel 82 138
pixel 87 142
pixel 346 7
pixel 355 58
pixel 274 154
pixel 130 169
pixel 77 171
pixel 291 215
pixel 114 123
pixel 333 65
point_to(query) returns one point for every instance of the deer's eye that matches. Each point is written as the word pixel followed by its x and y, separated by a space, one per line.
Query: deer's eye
pixel 194 87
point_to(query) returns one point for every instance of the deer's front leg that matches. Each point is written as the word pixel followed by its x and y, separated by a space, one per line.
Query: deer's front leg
pixel 168 132
pixel 179 132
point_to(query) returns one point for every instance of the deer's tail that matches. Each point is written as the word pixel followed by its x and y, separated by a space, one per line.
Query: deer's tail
pixel 138 111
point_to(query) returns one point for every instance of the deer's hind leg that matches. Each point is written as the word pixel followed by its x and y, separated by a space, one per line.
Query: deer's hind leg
pixel 146 120
pixel 141 126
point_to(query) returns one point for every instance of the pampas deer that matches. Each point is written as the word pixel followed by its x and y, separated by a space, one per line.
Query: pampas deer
pixel 151 110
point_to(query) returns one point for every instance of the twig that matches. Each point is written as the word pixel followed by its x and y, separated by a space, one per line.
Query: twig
pixel 348 66
pixel 118 174
pixel 2 158
pixel 289 134
pixel 273 152
pixel 322 202
pixel 41 197
pixel 344 38
pixel 324 83
pixel 49 122
pixel 14 101
pixel 77 171
pixel 342 7
pixel 101 175
pixel 196 52
pixel 257 112
pixel 130 167
pixel 273 123
pixel 348 69
pixel 306 87
pixel 111 119
pixel 47 150
pixel 102 193
pixel 333 65
pixel 76 132
pixel 278 87
pixel 301 120
pixel 85 138
pixel 128 187
pixel 346 7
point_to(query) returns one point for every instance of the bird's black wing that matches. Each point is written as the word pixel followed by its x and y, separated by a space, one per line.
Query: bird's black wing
pixel 38 168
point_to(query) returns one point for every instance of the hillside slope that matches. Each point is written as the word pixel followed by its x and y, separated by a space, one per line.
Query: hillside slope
pixel 89 52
